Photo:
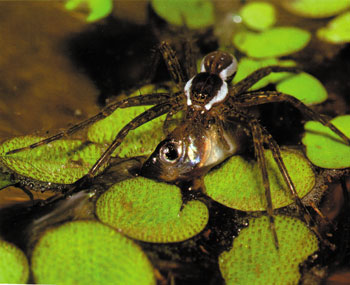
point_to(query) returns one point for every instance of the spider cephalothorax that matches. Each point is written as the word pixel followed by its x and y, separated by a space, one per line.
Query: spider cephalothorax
pixel 210 87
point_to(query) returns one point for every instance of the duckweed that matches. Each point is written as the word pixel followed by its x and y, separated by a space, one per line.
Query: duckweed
pixel 13 264
pixel 274 42
pixel 150 211
pixel 304 87
pixel 323 147
pixel 254 258
pixel 258 15
pixel 238 183
pixel 98 8
pixel 192 13
pixel 87 252
pixel 62 161
pixel 337 30
pixel 316 8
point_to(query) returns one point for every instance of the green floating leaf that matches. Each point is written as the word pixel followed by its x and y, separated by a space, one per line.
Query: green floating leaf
pixel 62 161
pixel 150 211
pixel 141 141
pixel 13 264
pixel 247 65
pixel 254 258
pixel 323 147
pixel 98 8
pixel 272 43
pixel 258 15
pixel 304 87
pixel 238 183
pixel 5 180
pixel 337 30
pixel 316 8
pixel 87 252
pixel 191 13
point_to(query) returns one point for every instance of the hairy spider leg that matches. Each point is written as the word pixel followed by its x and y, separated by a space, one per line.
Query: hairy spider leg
pixel 263 97
pixel 173 65
pixel 149 99
pixel 258 134
pixel 254 77
pixel 141 119
pixel 169 119
pixel 258 139
pixel 190 58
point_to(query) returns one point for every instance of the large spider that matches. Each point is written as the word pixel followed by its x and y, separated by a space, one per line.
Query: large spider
pixel 215 124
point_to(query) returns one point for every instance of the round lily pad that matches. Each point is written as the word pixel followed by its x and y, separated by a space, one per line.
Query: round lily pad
pixel 274 42
pixel 304 87
pixel 98 9
pixel 238 183
pixel 258 15
pixel 87 252
pixel 337 30
pixel 151 211
pixel 62 161
pixel 254 258
pixel 323 147
pixel 13 264
pixel 191 13
pixel 248 65
pixel 316 8
pixel 141 141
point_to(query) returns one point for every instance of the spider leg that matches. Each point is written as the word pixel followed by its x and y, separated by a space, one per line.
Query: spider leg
pixel 149 99
pixel 141 119
pixel 169 119
pixel 258 134
pixel 257 98
pixel 190 58
pixel 287 179
pixel 172 64
pixel 258 139
pixel 253 78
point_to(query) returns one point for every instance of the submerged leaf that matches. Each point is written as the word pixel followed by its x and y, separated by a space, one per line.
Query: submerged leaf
pixel 258 15
pixel 87 252
pixel 254 258
pixel 323 147
pixel 193 14
pixel 13 264
pixel 274 42
pixel 316 8
pixel 304 87
pixel 151 211
pixel 337 30
pixel 62 161
pixel 238 183
pixel 247 65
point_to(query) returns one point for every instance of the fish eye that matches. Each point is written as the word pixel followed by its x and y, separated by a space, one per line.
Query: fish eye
pixel 170 152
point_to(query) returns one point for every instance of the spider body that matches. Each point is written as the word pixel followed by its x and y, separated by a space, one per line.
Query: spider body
pixel 204 138
pixel 214 127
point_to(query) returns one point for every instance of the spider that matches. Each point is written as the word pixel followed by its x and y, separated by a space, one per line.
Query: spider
pixel 215 124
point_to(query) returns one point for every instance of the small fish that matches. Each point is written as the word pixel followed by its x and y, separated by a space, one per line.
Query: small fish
pixel 191 150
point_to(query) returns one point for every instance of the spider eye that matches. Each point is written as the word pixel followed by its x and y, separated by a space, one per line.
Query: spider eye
pixel 170 152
